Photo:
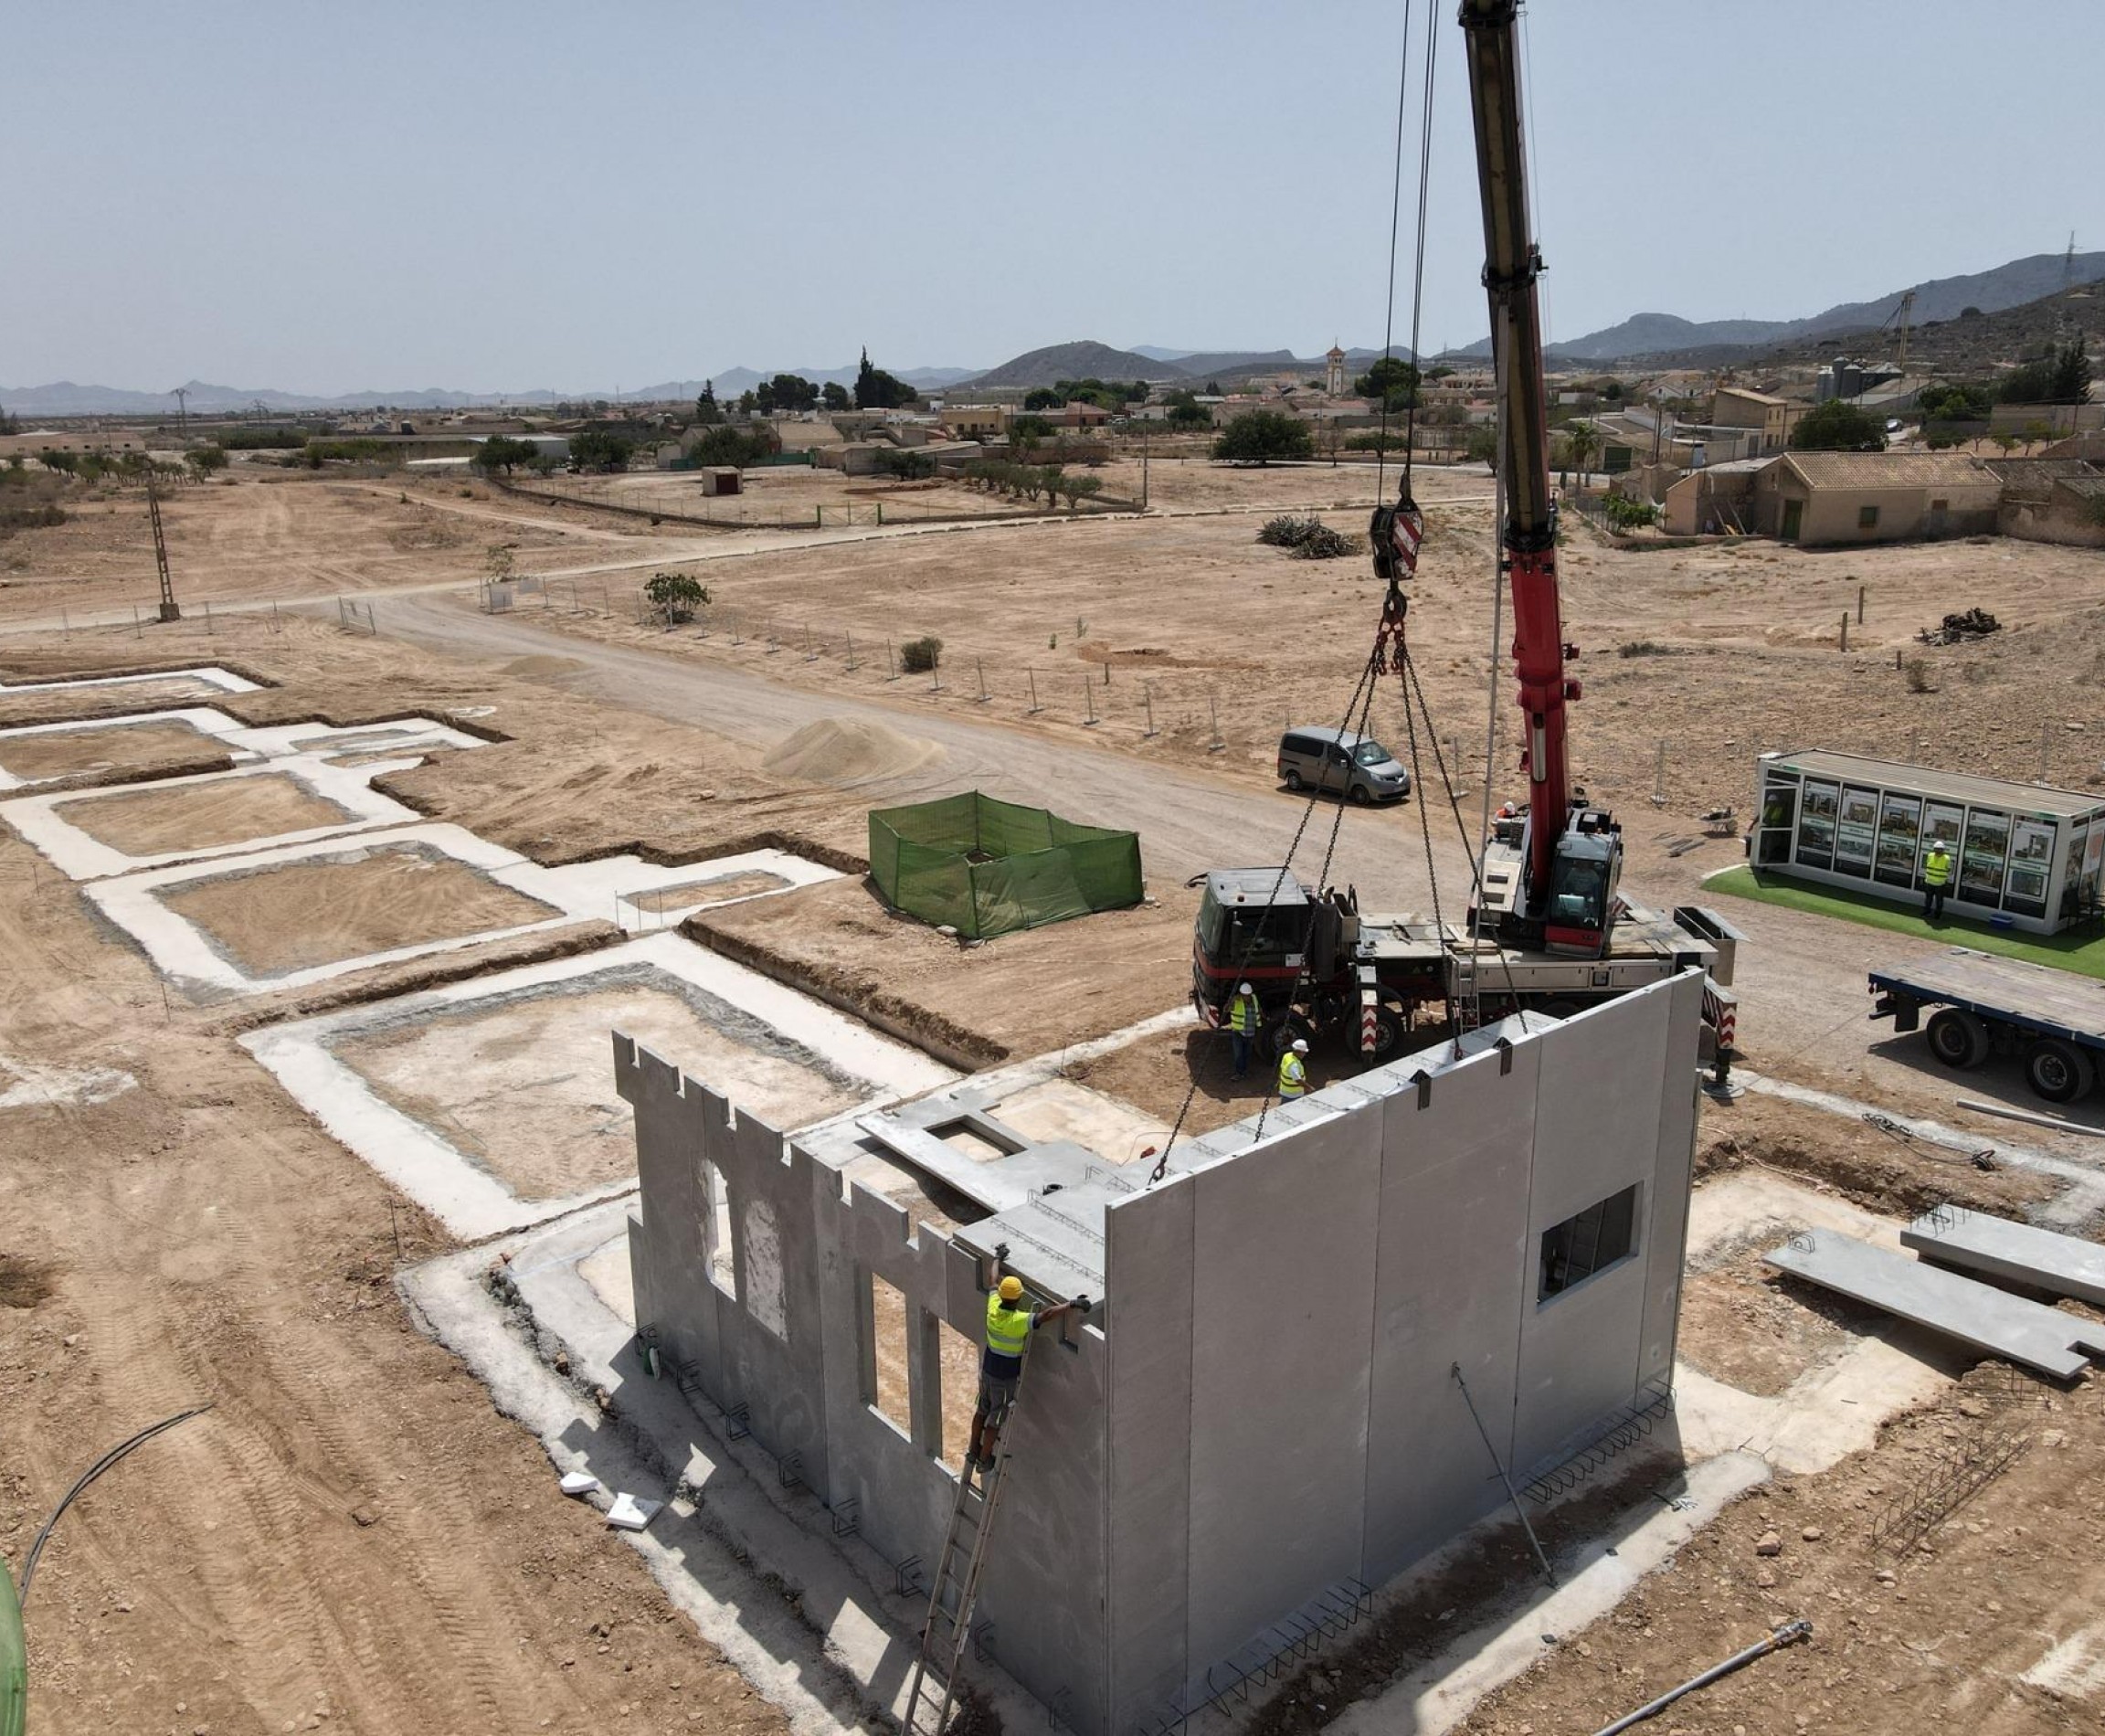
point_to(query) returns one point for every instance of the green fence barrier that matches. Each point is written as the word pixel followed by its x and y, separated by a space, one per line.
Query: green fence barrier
pixel 986 867
pixel 14 1660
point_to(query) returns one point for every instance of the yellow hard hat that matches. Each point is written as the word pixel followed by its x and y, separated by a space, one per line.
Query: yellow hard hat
pixel 1011 1288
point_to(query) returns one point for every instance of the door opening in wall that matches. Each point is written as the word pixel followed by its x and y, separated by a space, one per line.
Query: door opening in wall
pixel 716 1230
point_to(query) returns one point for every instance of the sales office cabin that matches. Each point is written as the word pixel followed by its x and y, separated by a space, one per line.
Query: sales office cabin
pixel 2023 855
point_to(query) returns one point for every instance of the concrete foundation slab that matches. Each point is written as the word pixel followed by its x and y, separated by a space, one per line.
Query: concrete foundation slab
pixel 470 1099
pixel 33 754
pixel 2041 1259
pixel 204 675
pixel 1991 1321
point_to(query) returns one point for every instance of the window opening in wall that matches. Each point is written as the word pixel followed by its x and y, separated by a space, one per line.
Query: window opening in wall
pixel 886 1385
pixel 1590 1242
pixel 716 1230
pixel 957 1371
pixel 1867 518
pixel 764 1288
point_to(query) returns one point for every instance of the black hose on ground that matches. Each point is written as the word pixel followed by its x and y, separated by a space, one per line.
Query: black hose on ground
pixel 1789 1633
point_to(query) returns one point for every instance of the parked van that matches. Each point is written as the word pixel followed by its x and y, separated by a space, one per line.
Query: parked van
pixel 1341 763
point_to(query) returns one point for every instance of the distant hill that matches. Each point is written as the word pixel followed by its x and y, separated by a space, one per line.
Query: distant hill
pixel 63 397
pixel 2007 286
pixel 735 380
pixel 1082 360
pixel 1155 354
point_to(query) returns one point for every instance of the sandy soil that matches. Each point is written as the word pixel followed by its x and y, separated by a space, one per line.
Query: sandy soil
pixel 1741 1324
pixel 1019 994
pixel 362 900
pixel 352 1534
pixel 723 887
pixel 51 706
pixel 146 823
pixel 526 1089
pixel 71 753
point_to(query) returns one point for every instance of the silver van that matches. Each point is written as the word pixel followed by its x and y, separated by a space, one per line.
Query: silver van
pixel 1341 763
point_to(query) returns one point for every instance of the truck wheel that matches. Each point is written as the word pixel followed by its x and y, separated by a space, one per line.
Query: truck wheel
pixel 1559 1008
pixel 2058 1071
pixel 1280 1038
pixel 1958 1039
pixel 1294 781
pixel 1391 1028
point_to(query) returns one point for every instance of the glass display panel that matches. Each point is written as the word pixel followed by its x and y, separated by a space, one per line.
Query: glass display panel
pixel 2031 856
pixel 1981 862
pixel 1855 833
pixel 1817 811
pixel 1941 820
pixel 1899 833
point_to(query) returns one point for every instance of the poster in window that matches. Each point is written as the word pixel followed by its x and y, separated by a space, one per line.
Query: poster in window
pixel 1981 862
pixel 1817 811
pixel 1779 802
pixel 1856 832
pixel 1939 820
pixel 1900 831
pixel 2031 860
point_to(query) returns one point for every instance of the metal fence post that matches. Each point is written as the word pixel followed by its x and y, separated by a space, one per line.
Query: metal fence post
pixel 1148 699
pixel 1089 701
pixel 850 653
pixel 981 664
pixel 1213 711
pixel 1035 707
pixel 891 662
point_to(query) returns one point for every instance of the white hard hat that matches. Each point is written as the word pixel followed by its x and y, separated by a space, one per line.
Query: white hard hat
pixel 1244 988
pixel 1300 1045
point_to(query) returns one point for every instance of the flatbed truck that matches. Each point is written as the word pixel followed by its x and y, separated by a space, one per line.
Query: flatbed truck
pixel 1981 1004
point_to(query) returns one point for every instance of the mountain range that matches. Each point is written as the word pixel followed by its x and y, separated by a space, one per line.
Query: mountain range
pixel 2016 284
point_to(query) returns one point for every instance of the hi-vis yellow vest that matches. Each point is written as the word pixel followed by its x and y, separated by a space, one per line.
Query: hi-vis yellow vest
pixel 1937 867
pixel 1292 1075
pixel 1244 1015
pixel 1008 1328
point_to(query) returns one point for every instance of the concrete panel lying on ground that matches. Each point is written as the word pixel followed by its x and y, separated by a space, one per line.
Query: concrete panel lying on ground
pixel 1989 1320
pixel 1259 1416
pixel 2043 1259
pixel 488 1102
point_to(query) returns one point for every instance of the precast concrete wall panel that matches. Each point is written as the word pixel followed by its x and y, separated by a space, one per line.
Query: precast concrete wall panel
pixel 1596 1133
pixel 669 1262
pixel 1454 1228
pixel 1664 1244
pixel 1283 1306
pixel 1149 1252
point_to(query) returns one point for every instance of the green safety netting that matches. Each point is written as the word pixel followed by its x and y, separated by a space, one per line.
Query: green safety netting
pixel 984 867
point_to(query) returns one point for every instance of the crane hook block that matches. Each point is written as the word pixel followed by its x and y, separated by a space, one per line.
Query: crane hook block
pixel 1396 533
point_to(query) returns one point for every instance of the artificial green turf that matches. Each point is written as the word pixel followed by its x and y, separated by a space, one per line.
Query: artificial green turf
pixel 2068 950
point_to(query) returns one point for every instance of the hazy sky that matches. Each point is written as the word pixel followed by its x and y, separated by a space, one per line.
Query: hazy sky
pixel 328 198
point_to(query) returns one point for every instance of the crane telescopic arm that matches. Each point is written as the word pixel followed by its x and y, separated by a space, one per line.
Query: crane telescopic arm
pixel 1529 536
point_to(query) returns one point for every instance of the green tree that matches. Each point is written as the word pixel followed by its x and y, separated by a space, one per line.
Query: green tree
pixel 834 395
pixel 706 408
pixel 1077 488
pixel 733 446
pixel 1391 379
pixel 1582 440
pixel 1837 426
pixel 1257 437
pixel 2061 377
pixel 2006 443
pixel 204 459
pixel 789 392
pixel 1480 444
pixel 877 390
pixel 599 449
pixel 1033 428
pixel 1185 412
pixel 1956 403
pixel 502 452
pixel 677 593
pixel 1043 397
pixel 905 463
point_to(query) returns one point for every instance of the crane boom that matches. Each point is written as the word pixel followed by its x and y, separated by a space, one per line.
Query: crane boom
pixel 1564 900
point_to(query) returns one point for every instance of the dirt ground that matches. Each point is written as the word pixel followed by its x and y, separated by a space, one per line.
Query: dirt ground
pixel 124 750
pixel 1019 994
pixel 231 811
pixel 353 1530
pixel 295 914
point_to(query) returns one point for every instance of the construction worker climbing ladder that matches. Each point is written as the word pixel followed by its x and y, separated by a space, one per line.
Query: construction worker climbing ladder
pixel 1294 1070
pixel 1009 1323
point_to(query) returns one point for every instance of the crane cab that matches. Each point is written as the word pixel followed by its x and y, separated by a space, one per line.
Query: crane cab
pixel 1575 913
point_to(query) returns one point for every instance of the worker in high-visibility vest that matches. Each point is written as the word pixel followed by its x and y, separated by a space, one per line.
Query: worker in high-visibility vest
pixel 1009 1323
pixel 1294 1070
pixel 1246 1018
pixel 1936 880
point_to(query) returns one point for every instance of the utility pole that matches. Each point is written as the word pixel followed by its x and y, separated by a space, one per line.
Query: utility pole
pixel 1143 464
pixel 182 397
pixel 169 612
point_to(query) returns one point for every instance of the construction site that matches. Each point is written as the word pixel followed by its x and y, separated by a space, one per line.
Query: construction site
pixel 546 1108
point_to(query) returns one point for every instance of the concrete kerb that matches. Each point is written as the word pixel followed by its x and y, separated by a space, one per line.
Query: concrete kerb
pixel 468 1198
pixel 215 726
pixel 753 1564
pixel 211 674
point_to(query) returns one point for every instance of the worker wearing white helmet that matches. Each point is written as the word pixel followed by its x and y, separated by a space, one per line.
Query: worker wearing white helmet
pixel 1293 1069
pixel 1246 1018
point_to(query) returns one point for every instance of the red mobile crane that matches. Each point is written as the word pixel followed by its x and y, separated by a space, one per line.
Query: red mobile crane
pixel 1546 932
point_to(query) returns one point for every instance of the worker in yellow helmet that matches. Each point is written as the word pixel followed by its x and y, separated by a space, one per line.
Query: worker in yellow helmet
pixel 1294 1070
pixel 1936 880
pixel 1246 1018
pixel 1010 1320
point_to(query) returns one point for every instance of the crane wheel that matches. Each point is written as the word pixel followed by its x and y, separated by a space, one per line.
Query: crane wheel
pixel 2058 1071
pixel 1957 1038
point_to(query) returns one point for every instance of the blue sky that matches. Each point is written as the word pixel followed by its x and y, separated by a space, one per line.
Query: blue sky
pixel 329 198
